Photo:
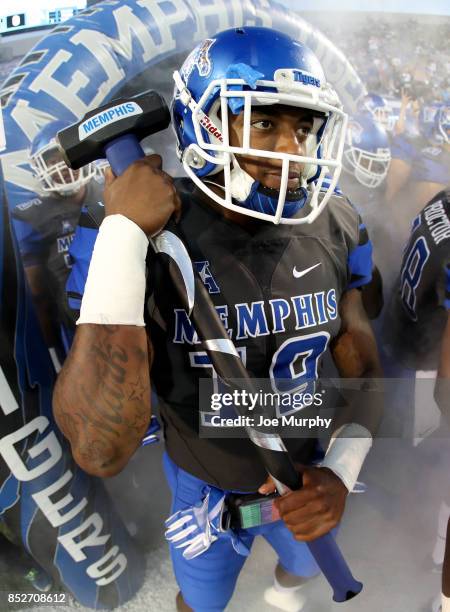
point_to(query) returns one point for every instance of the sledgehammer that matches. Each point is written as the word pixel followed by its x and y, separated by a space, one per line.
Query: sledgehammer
pixel 115 131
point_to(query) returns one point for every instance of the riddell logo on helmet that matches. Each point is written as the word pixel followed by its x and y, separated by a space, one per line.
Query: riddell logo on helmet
pixel 306 79
pixel 211 128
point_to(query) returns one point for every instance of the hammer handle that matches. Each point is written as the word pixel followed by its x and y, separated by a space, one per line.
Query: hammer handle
pixel 122 152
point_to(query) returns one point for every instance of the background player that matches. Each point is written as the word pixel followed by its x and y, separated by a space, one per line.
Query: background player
pixel 420 166
pixel 45 227
pixel 432 169
pixel 418 326
pixel 367 153
pixel 418 310
pixel 406 143
pixel 246 169
pixel 379 108
pixel 366 162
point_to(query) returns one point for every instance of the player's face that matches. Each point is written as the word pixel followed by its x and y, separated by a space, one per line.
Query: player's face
pixel 373 166
pixel 62 175
pixel 280 129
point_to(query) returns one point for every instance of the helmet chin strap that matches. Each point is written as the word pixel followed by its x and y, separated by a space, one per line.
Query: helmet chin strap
pixel 264 199
pixel 252 195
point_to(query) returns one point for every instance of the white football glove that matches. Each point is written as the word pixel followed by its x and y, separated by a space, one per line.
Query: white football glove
pixel 197 527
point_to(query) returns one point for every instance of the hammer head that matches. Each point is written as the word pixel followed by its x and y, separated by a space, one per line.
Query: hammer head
pixel 141 115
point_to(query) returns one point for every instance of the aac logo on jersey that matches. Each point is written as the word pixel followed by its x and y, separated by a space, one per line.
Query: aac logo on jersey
pixel 208 280
pixel 67 226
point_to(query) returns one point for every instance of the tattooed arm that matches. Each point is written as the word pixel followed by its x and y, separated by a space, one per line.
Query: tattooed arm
pixel 101 401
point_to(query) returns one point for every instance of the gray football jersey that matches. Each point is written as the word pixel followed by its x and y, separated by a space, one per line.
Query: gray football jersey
pixel 277 291
pixel 418 310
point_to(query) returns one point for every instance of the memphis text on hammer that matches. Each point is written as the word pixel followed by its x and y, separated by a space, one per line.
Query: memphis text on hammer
pixel 241 397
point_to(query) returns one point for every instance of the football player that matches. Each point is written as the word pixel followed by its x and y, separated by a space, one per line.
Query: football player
pixel 367 154
pixel 45 226
pixel 406 142
pixel 366 162
pixel 431 168
pixel 417 316
pixel 379 108
pixel 258 128
pixel 421 162
pixel 418 323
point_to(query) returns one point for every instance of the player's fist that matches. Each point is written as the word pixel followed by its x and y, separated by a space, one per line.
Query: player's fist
pixel 143 193
pixel 317 507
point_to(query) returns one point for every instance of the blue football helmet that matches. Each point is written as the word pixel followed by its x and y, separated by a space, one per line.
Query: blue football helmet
pixel 379 109
pixel 442 123
pixel 367 154
pixel 49 167
pixel 238 70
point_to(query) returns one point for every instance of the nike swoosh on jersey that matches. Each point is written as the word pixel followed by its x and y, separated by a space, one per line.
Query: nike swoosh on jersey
pixel 298 274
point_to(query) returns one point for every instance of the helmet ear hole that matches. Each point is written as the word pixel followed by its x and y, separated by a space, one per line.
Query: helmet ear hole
pixel 194 160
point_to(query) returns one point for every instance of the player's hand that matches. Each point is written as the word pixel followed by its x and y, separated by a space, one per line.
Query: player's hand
pixel 143 193
pixel 316 508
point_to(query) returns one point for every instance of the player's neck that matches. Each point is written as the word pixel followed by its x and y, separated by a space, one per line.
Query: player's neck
pixel 78 197
pixel 243 220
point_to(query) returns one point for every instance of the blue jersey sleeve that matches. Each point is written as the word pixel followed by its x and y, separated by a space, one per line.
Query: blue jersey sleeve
pixel 360 260
pixel 31 244
pixel 81 252
pixel 433 166
pixel 404 149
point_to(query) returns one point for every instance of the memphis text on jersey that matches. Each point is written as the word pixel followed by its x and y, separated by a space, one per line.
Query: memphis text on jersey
pixel 309 310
